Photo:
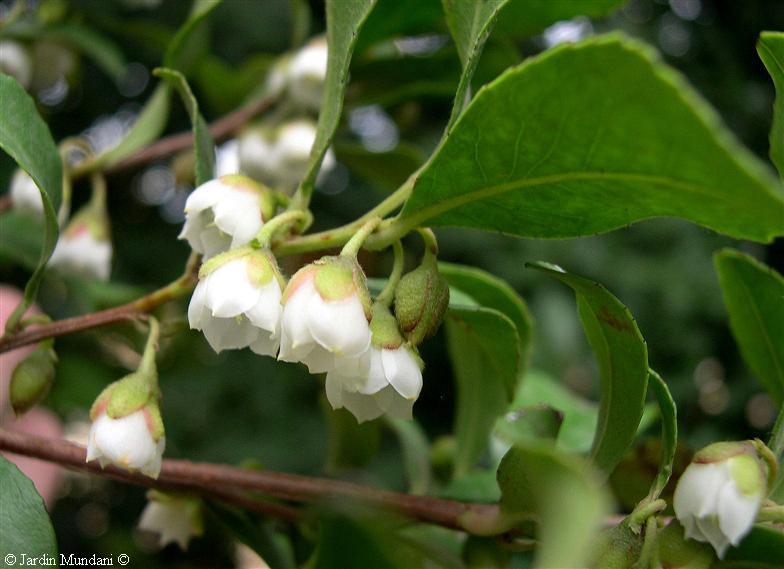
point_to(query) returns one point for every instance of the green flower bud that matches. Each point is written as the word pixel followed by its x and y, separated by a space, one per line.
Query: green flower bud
pixel 32 378
pixel 421 299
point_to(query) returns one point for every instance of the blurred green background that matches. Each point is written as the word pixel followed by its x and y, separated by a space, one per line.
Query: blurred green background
pixel 239 407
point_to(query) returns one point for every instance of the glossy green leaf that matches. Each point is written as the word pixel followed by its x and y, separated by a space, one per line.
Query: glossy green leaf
pixel 416 453
pixel 622 358
pixel 563 494
pixel 521 18
pixel 485 351
pixel 26 138
pixel 546 150
pixel 492 292
pixel 669 432
pixel 20 238
pixel 771 51
pixel 148 126
pixel 24 524
pixel 754 296
pixel 400 18
pixel 344 22
pixel 203 145
pixel 470 22
pixel 178 52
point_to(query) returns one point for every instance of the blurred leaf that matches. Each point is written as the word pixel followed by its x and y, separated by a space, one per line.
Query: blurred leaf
pixel 90 42
pixel 623 365
pixel 178 53
pixel 492 292
pixel 350 444
pixel 20 238
pixel 300 22
pixel 669 432
pixel 484 552
pixel 484 348
pixel 416 453
pixel 476 486
pixel 387 170
pixel 562 492
pixel 754 296
pixel 204 147
pixel 224 86
pixel 470 22
pixel 399 18
pixel 546 151
pixel 771 51
pixel 776 444
pixel 763 545
pixel 25 526
pixel 522 18
pixel 344 22
pixel 148 126
pixel 535 422
pixel 26 139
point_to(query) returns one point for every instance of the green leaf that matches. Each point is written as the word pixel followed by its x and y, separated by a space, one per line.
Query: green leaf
pixel 485 351
pixel 754 295
pixel 344 22
pixel 491 292
pixel 351 445
pixel 387 170
pixel 547 150
pixel 771 50
pixel 26 138
pixel 20 238
pixel 669 432
pixel 24 524
pixel 521 18
pixel 178 54
pixel 763 545
pixel 535 422
pixel 399 18
pixel 562 492
pixel 470 22
pixel 204 147
pixel 98 47
pixel 622 358
pixel 776 444
pixel 416 453
pixel 148 127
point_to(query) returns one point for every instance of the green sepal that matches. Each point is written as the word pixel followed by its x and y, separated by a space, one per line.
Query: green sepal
pixel 127 395
pixel 384 328
pixel 721 451
pixel 221 259
pixel 152 413
pixel 339 277
pixel 421 299
pixel 32 378
pixel 91 218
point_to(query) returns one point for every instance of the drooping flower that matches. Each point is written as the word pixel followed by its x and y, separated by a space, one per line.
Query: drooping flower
pixel 225 213
pixel 237 301
pixel 175 518
pixel 16 62
pixel 25 194
pixel 306 72
pixel 280 157
pixel 719 494
pixel 84 247
pixel 388 378
pixel 326 310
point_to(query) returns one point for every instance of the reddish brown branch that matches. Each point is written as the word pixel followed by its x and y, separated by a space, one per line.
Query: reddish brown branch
pixel 223 478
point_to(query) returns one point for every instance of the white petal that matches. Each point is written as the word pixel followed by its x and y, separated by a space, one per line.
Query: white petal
pixel 213 241
pixel 393 404
pixel 334 391
pixel 267 311
pixel 363 407
pixel 205 196
pixel 229 290
pixel 296 338
pixel 697 490
pixel 318 359
pixel 265 345
pixel 376 380
pixel 197 309
pixel 126 441
pixel 736 512
pixel 402 372
pixel 709 526
pixel 227 158
pixel 239 214
pixel 229 333
pixel 339 326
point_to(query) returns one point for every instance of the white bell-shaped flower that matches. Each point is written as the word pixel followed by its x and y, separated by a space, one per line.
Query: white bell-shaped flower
pixel 225 213
pixel 175 518
pixel 326 310
pixel 719 494
pixel 280 157
pixel 227 158
pixel 83 249
pixel 25 194
pixel 237 301
pixel 16 62
pixel 126 442
pixel 307 72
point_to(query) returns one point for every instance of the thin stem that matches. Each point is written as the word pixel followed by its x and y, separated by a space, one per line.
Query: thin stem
pixel 147 365
pixel 278 223
pixel 385 296
pixel 352 247
pixel 98 196
pixel 431 243
pixel 773 513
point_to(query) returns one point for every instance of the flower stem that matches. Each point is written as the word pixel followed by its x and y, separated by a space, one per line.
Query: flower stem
pixel 352 247
pixel 385 296
pixel 147 365
pixel 277 224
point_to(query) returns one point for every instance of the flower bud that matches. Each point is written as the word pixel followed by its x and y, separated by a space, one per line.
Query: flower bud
pixel 84 247
pixel 720 492
pixel 237 301
pixel 127 428
pixel 25 195
pixel 326 314
pixel 306 72
pixel 421 299
pixel 280 157
pixel 32 378
pixel 226 213
pixel 176 518
pixel 387 378
pixel 16 62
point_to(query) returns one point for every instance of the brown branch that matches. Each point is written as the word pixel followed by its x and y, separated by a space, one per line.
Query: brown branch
pixel 201 476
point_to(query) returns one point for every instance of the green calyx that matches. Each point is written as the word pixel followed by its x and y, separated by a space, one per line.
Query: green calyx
pixel 262 267
pixel 421 299
pixel 747 461
pixel 384 328
pixel 337 278
pixel 718 452
pixel 221 259
pixel 32 378
pixel 267 199
pixel 91 219
pixel 748 473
